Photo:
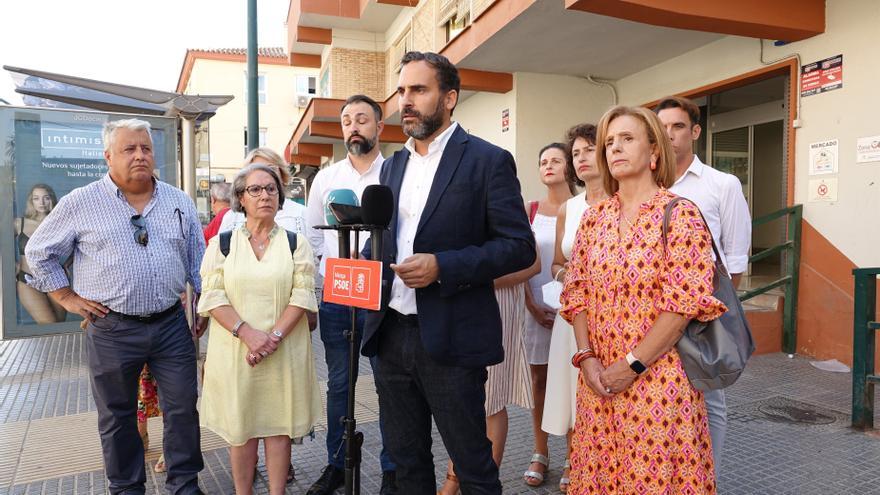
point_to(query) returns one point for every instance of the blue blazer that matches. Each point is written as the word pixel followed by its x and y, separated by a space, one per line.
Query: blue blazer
pixel 475 224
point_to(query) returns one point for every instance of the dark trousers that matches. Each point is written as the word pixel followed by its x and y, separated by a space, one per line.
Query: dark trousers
pixel 118 348
pixel 412 388
pixel 335 321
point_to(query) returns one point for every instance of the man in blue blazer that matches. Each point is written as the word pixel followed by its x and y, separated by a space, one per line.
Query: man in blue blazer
pixel 458 224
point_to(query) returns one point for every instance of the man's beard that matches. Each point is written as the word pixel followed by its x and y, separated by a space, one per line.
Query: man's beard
pixel 425 125
pixel 360 148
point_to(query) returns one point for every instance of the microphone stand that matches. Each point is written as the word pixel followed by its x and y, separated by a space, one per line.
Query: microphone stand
pixel 354 439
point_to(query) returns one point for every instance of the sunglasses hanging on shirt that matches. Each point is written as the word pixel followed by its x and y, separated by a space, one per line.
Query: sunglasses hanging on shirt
pixel 140 234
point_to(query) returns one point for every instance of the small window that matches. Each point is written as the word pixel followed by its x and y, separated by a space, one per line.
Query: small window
pixel 262 141
pixel 306 85
pixel 261 88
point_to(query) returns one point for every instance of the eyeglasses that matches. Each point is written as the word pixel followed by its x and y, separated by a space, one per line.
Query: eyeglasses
pixel 256 191
pixel 140 234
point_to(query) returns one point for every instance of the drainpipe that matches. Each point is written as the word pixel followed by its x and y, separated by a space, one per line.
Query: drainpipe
pixel 606 84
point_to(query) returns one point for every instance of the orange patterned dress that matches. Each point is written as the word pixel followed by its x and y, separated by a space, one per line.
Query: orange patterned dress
pixel 652 438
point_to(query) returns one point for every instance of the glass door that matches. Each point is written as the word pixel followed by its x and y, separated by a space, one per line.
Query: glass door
pixel 731 153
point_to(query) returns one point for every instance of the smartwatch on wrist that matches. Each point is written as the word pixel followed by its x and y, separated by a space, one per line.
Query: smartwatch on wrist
pixel 635 364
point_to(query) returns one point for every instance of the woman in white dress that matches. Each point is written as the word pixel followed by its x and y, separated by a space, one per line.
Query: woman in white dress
pixel 557 174
pixel 562 377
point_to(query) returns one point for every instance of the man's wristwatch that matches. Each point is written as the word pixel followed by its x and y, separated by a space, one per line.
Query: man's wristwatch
pixel 277 333
pixel 235 328
pixel 635 364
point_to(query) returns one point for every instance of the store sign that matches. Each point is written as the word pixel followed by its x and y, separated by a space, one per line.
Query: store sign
pixel 822 76
pixel 868 149
pixel 823 157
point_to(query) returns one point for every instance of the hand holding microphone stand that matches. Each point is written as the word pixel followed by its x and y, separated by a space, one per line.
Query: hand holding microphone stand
pixel 373 216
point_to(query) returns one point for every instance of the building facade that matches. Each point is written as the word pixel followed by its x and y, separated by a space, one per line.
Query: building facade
pixel 779 111
pixel 284 92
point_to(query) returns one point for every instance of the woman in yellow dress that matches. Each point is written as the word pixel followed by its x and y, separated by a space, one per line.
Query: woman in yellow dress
pixel 260 377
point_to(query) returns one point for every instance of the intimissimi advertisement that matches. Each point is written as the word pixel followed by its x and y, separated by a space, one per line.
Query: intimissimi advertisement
pixel 53 152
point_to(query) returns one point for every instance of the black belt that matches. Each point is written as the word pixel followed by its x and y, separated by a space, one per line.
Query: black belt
pixel 410 320
pixel 150 318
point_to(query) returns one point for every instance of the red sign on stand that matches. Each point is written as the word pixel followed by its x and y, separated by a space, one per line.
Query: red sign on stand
pixel 352 282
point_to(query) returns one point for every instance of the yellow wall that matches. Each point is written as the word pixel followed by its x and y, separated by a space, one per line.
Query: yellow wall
pixel 844 114
pixel 279 115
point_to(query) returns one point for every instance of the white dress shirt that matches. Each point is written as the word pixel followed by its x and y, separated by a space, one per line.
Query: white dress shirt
pixel 290 217
pixel 417 181
pixel 340 175
pixel 720 198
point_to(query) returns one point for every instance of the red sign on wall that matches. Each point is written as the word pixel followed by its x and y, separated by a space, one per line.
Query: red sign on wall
pixel 352 282
pixel 824 75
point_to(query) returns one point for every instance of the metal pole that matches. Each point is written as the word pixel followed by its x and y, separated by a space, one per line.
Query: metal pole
pixel 188 150
pixel 253 123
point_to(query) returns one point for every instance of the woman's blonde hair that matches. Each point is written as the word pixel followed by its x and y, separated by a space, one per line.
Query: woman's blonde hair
pixel 272 158
pixel 664 174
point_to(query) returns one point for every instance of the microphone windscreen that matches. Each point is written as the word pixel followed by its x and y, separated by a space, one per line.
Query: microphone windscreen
pixel 340 196
pixel 377 205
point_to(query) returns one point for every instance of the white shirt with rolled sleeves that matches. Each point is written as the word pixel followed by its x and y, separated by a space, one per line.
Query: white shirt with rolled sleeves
pixel 417 180
pixel 720 198
pixel 340 175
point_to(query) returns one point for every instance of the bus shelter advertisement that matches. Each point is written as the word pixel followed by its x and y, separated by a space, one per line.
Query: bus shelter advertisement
pixel 48 154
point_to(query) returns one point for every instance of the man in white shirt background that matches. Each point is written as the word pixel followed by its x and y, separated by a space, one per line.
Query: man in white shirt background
pixel 720 198
pixel 362 124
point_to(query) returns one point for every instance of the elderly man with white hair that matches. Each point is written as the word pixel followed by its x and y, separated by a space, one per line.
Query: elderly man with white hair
pixel 136 242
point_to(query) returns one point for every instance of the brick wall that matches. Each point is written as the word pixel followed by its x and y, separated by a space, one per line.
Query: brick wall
pixel 357 71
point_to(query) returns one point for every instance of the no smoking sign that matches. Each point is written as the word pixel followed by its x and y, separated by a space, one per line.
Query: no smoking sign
pixel 822 190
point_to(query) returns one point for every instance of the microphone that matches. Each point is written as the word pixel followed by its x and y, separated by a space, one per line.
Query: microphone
pixel 341 205
pixel 377 208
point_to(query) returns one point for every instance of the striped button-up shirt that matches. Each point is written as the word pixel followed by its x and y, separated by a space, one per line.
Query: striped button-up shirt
pixel 93 224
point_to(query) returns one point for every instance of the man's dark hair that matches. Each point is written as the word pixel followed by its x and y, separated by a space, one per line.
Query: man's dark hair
pixel 364 99
pixel 447 74
pixel 685 104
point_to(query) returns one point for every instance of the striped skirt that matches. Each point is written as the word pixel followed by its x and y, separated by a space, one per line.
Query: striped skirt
pixel 509 382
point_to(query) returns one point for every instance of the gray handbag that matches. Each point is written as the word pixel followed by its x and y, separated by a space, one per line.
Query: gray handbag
pixel 715 353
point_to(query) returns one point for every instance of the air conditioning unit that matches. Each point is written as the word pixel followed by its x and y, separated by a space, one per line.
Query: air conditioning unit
pixel 302 101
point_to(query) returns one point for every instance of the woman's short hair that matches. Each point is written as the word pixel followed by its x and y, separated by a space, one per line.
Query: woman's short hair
pixel 271 157
pixel 584 131
pixel 240 183
pixel 664 174
pixel 108 134
pixel 569 167
pixel 29 210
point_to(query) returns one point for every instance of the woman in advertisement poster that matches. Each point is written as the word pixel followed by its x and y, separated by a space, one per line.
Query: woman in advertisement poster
pixel 41 199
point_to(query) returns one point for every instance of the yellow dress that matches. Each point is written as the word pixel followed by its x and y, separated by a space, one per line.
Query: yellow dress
pixel 280 395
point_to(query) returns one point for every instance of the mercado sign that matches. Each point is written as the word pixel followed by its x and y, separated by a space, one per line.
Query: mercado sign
pixel 46 153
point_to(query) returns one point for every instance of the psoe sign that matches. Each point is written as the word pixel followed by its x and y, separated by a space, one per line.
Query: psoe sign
pixel 352 282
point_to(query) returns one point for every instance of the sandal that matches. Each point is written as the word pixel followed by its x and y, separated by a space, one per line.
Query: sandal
pixel 565 480
pixel 453 478
pixel 535 475
pixel 160 464
pixel 291 474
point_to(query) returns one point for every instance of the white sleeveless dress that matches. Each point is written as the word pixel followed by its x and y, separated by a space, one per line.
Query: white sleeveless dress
pixel 562 377
pixel 537 338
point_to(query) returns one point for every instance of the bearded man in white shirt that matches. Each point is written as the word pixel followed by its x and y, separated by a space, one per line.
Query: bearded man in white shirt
pixel 361 120
pixel 720 198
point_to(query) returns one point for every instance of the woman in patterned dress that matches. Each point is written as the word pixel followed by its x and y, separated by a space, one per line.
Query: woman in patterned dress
pixel 148 407
pixel 641 426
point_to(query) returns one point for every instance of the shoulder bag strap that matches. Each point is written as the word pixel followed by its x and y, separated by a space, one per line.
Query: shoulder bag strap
pixel 665 229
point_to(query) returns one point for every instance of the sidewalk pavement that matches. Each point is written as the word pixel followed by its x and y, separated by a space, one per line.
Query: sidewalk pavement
pixel 788 432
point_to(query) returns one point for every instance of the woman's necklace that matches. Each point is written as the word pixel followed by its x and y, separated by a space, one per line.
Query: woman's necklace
pixel 261 245
pixel 626 219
